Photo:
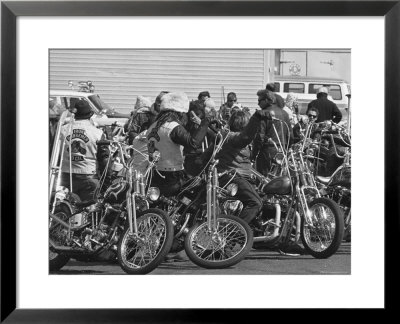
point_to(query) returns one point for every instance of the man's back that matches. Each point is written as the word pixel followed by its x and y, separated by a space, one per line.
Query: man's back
pixel 327 110
pixel 267 127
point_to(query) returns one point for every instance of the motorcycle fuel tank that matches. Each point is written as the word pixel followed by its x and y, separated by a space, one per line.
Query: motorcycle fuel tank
pixel 278 186
pixel 116 192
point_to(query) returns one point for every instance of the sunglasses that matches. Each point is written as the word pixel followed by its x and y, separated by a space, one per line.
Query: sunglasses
pixel 312 116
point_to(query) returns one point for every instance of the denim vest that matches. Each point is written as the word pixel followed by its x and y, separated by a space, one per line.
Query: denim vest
pixel 171 153
pixel 83 137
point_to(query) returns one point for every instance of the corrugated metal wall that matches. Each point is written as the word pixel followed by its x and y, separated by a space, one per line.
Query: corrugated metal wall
pixel 119 75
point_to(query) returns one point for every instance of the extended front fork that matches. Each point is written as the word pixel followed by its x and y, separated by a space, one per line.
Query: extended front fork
pixel 212 184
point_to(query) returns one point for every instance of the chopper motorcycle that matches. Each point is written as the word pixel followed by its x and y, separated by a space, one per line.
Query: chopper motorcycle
pixel 294 209
pixel 118 220
pixel 337 185
pixel 211 238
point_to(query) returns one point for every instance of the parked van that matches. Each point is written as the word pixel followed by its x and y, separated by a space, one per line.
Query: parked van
pixel 306 90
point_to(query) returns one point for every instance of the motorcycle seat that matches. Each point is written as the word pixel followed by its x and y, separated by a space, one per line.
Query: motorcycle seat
pixel 324 180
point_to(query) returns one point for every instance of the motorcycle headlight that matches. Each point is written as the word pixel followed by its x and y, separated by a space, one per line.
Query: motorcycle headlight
pixel 153 193
pixel 232 189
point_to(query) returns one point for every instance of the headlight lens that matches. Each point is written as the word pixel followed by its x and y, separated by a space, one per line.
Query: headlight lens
pixel 232 189
pixel 153 193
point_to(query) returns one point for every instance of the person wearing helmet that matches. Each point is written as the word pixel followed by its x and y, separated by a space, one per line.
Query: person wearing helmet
pixel 327 109
pixel 169 136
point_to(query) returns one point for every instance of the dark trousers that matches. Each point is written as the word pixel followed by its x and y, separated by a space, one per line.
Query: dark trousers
pixel 265 158
pixel 84 185
pixel 247 194
pixel 169 182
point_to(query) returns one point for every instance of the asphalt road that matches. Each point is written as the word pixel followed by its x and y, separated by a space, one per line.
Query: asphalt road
pixel 258 262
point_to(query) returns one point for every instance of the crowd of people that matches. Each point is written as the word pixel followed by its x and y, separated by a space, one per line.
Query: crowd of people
pixel 184 131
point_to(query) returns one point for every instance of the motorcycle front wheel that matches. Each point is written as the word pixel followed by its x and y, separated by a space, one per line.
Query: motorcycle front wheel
pixel 225 247
pixel 323 237
pixel 58 234
pixel 142 253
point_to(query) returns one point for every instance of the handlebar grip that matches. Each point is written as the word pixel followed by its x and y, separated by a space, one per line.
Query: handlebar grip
pixel 103 142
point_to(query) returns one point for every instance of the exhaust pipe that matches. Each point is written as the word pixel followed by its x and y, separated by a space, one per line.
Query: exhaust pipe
pixel 275 234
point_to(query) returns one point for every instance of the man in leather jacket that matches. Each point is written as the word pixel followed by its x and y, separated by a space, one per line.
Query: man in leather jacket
pixel 271 131
pixel 327 109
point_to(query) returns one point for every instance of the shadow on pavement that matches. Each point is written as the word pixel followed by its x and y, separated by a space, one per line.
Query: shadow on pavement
pixel 75 272
pixel 178 265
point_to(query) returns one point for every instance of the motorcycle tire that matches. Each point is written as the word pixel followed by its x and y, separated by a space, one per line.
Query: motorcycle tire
pixel 156 231
pixel 324 237
pixel 56 260
pixel 230 245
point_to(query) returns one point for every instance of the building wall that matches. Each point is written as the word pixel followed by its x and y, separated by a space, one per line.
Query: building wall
pixel 120 75
pixel 327 63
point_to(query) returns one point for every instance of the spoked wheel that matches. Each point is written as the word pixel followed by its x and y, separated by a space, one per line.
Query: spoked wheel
pixel 58 234
pixel 323 237
pixel 142 253
pixel 225 247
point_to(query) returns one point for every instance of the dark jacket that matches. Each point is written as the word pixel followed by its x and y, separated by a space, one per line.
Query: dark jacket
pixel 137 123
pixel 266 130
pixel 279 100
pixel 235 152
pixel 191 141
pixel 327 110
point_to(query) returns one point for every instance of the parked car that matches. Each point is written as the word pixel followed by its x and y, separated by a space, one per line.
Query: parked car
pixel 306 90
pixel 104 115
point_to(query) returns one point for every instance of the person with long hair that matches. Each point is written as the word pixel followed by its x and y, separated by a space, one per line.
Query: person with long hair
pixel 169 136
pixel 234 156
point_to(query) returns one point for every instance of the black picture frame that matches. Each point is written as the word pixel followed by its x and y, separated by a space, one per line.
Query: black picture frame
pixel 10 10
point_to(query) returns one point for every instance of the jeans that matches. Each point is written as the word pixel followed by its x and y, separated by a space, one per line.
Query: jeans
pixel 247 194
pixel 84 185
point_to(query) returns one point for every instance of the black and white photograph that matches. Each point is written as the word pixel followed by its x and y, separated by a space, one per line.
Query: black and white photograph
pixel 200 161
pixel 196 158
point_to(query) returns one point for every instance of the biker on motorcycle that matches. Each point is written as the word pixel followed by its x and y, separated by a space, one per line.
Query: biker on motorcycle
pixel 235 156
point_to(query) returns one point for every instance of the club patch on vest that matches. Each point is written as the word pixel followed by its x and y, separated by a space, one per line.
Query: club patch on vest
pixel 77 146
pixel 80 134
